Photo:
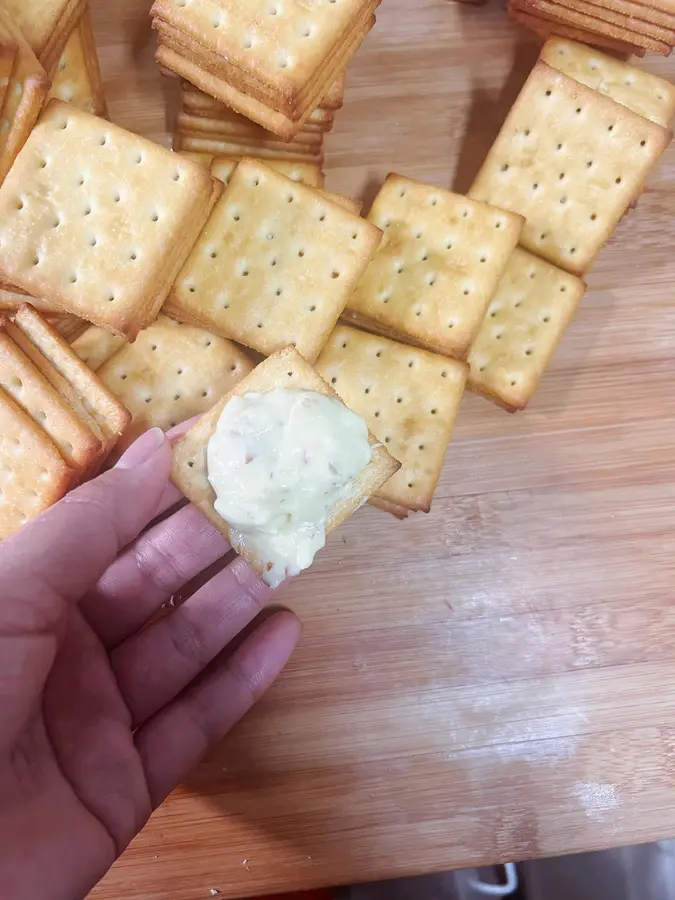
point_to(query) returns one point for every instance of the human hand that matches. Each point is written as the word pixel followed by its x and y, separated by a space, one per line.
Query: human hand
pixel 100 716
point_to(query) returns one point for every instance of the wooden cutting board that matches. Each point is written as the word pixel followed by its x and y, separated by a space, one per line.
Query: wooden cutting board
pixel 495 680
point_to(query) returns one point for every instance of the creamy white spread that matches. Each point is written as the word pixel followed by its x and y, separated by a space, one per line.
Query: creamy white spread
pixel 279 463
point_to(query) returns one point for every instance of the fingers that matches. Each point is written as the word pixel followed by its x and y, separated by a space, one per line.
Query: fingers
pixel 80 537
pixel 154 666
pixel 172 742
pixel 149 571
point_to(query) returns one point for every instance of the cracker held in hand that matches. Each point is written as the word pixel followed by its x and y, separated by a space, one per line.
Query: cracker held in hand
pixel 409 399
pixel 571 161
pixel 646 94
pixel 285 369
pixel 171 373
pixel 33 474
pixel 77 79
pixel 275 264
pixel 532 308
pixel 98 220
pixel 437 268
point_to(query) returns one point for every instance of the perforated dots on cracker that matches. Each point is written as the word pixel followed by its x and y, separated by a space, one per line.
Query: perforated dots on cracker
pixel 437 267
pixel 308 173
pixel 171 373
pixel 275 265
pixel 122 216
pixel 532 308
pixel 644 93
pixel 570 160
pixel 409 399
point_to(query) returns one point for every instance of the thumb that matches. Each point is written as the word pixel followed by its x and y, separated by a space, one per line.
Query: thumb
pixel 67 548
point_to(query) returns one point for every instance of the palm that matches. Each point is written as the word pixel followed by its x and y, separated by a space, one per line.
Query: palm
pixel 102 714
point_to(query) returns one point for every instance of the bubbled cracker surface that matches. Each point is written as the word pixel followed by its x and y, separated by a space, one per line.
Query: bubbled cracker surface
pixel 88 212
pixel 438 264
pixel 275 264
pixel 171 373
pixel 409 399
pixel 645 94
pixel 33 474
pixel 282 41
pixel 526 320
pixel 570 160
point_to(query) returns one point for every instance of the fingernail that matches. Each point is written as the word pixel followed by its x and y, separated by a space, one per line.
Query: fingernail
pixel 142 450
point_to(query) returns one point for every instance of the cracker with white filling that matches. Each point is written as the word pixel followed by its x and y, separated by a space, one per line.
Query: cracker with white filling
pixel 286 369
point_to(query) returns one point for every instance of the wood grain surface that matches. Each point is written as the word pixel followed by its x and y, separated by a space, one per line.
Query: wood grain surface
pixel 495 680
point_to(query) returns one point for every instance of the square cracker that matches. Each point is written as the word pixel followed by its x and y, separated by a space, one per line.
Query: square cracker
pixel 308 173
pixel 24 96
pixel 275 264
pixel 33 475
pixel 120 210
pixel 171 373
pixel 31 390
pixel 84 387
pixel 96 346
pixel 77 78
pixel 533 306
pixel 409 399
pixel 570 160
pixel 282 47
pixel 437 268
pixel 285 369
pixel 644 93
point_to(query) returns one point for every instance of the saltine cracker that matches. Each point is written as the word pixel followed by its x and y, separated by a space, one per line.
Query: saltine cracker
pixel 275 264
pixel 409 398
pixel 569 160
pixel 437 268
pixel 533 306
pixel 288 370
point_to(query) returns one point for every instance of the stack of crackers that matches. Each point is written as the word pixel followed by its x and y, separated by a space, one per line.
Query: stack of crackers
pixel 58 422
pixel 625 26
pixel 274 63
pixel 204 125
pixel 190 265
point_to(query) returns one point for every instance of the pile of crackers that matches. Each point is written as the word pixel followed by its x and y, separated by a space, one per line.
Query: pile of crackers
pixel 262 80
pixel 625 26
pixel 191 266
